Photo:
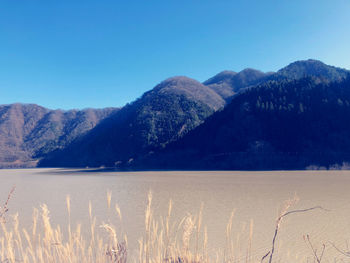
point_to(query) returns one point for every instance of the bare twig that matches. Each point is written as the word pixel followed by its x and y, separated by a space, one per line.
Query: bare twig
pixel 345 253
pixel 317 257
pixel 268 253
pixel 304 210
pixel 283 214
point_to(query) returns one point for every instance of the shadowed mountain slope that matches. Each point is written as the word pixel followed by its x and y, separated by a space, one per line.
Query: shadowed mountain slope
pixel 284 120
pixel 160 116
pixel 288 124
pixel 229 83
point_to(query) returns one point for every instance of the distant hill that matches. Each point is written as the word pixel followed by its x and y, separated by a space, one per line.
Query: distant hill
pixel 28 131
pixel 191 89
pixel 160 116
pixel 287 124
pixel 228 83
pixel 311 67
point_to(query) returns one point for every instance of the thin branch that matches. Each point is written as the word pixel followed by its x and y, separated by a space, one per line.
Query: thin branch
pixel 345 253
pixel 278 223
pixel 303 210
pixel 323 249
pixel 262 259
pixel 314 251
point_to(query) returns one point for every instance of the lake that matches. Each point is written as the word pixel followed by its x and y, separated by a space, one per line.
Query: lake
pixel 255 197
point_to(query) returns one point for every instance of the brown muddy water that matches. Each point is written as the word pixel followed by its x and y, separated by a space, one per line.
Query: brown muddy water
pixel 256 198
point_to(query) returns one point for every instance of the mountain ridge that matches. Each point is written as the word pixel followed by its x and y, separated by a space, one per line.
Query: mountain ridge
pixel 307 125
pixel 161 115
pixel 174 110
pixel 228 83
pixel 27 131
pixel 302 68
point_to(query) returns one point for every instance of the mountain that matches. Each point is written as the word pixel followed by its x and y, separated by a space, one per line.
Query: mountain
pixel 228 83
pixel 28 131
pixel 311 67
pixel 162 115
pixel 289 119
pixel 286 124
pixel 191 89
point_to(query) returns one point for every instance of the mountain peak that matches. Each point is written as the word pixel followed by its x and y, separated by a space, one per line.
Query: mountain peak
pixel 306 63
pixel 192 89
pixel 176 80
pixel 313 67
pixel 221 77
pixel 227 83
pixel 251 73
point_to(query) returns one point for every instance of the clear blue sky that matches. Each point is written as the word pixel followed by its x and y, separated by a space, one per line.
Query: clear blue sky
pixel 97 53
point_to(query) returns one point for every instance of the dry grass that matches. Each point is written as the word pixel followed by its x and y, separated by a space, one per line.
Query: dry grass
pixel 163 240
pixel 4 209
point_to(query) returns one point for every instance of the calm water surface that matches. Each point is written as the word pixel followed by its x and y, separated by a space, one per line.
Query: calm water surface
pixel 254 196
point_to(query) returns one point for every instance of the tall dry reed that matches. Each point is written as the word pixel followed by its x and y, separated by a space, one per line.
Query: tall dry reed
pixel 163 240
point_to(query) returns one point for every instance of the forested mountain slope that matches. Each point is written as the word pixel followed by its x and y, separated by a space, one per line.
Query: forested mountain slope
pixel 28 131
pixel 289 119
pixel 288 124
pixel 160 116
